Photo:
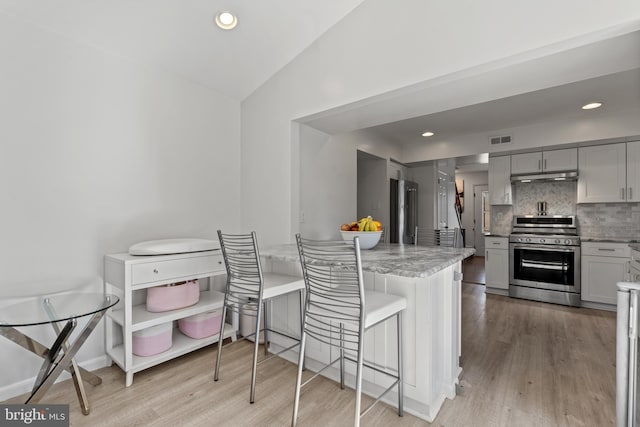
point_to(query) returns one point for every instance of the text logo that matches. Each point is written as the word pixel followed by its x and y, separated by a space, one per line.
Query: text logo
pixel 34 415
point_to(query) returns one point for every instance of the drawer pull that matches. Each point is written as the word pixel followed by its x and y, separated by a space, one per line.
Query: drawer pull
pixel 495 243
pixel 155 270
pixel 606 249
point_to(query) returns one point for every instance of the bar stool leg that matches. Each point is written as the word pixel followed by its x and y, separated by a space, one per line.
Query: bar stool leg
pixel 219 352
pixel 296 399
pixel 400 367
pixel 356 422
pixel 342 356
pixel 302 318
pixel 266 328
pixel 256 347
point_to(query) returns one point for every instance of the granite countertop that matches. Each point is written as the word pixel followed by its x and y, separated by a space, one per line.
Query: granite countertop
pixel 610 239
pixel 495 235
pixel 389 258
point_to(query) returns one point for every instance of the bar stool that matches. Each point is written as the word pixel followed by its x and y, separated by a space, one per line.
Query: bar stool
pixel 247 292
pixel 447 237
pixel 338 311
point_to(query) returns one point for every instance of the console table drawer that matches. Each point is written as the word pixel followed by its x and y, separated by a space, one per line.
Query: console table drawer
pixel 174 270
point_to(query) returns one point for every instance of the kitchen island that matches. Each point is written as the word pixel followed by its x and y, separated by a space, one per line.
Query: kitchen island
pixel 429 278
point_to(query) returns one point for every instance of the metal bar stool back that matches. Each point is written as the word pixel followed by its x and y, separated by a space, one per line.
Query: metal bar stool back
pixel 338 311
pixel 248 289
pixel 447 237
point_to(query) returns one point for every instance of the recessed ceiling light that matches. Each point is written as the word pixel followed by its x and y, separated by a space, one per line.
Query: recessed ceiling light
pixel 428 134
pixel 592 105
pixel 226 20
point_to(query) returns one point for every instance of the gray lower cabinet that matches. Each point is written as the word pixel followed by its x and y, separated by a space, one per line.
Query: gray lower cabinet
pixel 496 263
pixel 603 266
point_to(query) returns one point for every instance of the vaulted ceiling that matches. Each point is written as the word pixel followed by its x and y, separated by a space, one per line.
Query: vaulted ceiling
pixel 180 35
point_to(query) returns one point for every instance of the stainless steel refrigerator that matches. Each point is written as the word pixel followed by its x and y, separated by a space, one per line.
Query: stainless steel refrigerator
pixel 627 355
pixel 403 215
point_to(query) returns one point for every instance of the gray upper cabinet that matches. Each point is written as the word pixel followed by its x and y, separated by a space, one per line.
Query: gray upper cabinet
pixel 526 163
pixel 560 160
pixel 602 174
pixel 500 180
pixel 545 161
pixel 633 171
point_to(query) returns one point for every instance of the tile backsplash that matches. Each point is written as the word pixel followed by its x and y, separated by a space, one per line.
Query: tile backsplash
pixel 595 220
pixel 560 197
pixel 609 220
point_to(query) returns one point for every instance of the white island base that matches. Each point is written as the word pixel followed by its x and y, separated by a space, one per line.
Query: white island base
pixel 431 336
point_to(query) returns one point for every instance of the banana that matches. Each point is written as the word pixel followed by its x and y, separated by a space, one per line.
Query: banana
pixel 368 224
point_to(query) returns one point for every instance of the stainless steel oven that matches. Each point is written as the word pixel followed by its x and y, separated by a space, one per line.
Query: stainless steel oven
pixel 544 254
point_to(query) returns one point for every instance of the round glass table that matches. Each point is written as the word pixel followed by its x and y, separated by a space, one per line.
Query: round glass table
pixel 62 312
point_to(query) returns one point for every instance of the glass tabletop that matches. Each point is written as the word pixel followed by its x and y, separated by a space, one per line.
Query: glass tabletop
pixel 55 308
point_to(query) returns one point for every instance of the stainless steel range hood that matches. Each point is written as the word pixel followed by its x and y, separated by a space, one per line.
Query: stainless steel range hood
pixel 558 176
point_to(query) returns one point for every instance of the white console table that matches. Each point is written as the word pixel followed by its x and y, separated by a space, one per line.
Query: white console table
pixel 129 276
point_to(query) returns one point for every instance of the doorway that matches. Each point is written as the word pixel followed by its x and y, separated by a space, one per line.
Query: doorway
pixel 481 216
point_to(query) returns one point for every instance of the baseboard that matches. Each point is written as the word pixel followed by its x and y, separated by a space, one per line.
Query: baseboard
pixel 598 306
pixel 25 386
pixel 495 291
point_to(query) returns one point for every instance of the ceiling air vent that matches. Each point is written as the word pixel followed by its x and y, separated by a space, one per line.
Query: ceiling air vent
pixel 495 140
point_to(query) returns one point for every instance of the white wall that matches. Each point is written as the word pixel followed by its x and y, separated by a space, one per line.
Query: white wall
pixel 98 153
pixel 328 180
pixel 363 56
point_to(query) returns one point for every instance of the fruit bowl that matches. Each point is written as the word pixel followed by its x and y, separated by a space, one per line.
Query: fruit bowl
pixel 368 239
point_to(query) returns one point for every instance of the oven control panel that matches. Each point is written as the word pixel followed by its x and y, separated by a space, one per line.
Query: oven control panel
pixel 545 240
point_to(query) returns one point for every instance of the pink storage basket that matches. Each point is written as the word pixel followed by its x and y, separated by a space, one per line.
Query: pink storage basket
pixel 153 340
pixel 201 325
pixel 172 297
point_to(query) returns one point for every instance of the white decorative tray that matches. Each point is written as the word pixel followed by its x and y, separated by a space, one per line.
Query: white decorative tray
pixel 173 246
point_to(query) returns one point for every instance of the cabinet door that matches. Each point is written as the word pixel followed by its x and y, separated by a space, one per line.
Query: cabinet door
pixel 500 180
pixel 560 160
pixel 496 263
pixel 601 173
pixel 600 276
pixel 633 171
pixel 526 163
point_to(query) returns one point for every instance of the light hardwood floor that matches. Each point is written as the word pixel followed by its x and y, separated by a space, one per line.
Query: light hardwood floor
pixel 525 364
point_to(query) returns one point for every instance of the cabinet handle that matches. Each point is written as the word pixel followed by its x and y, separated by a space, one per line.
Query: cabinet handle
pixel 622 193
pixel 545 164
pixel 495 243
pixel 606 249
pixel 155 270
pixel 539 167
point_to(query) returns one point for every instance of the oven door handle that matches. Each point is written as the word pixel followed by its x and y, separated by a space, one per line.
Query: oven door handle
pixel 545 248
